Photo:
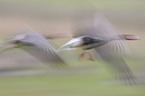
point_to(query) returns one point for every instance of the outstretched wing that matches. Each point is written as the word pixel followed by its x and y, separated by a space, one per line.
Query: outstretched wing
pixel 97 26
pixel 35 44
pixel 39 47
pixel 116 62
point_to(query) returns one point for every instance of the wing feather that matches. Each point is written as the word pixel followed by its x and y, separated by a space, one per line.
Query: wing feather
pixel 40 48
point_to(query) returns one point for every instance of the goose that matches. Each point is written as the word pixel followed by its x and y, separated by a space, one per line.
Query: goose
pixel 98 34
pixel 36 45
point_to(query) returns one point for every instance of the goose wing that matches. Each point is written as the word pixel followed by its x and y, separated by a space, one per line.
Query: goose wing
pixel 39 47
pixel 36 45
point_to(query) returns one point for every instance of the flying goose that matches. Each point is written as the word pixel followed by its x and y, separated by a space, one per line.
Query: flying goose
pixel 35 44
pixel 97 33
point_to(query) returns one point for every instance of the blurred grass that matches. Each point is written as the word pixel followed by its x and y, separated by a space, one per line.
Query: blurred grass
pixel 94 80
pixel 73 85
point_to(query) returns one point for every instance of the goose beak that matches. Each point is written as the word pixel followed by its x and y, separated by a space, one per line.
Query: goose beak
pixel 6 43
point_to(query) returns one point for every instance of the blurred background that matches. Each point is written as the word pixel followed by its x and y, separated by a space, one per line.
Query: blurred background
pixel 23 75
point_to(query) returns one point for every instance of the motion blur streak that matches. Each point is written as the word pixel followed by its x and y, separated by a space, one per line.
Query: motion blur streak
pixel 21 74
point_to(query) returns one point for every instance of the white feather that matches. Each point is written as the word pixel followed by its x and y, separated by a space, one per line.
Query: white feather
pixel 72 44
